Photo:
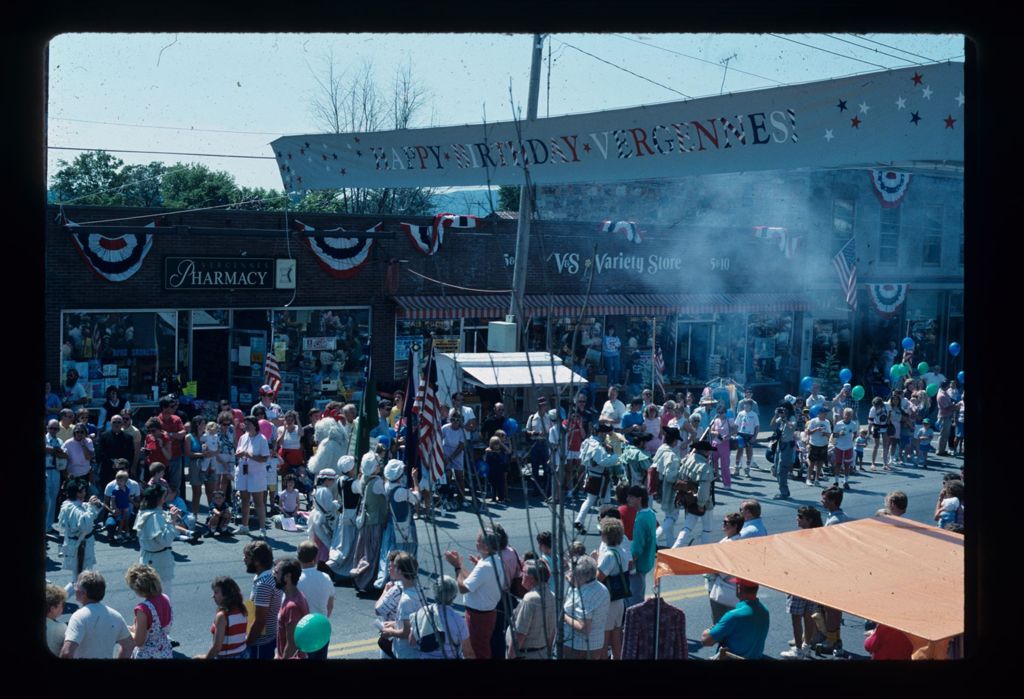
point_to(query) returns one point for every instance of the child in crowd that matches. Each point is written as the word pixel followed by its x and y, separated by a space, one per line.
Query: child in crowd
pixel 55 598
pixel 923 437
pixel 288 502
pixel 859 445
pixel 184 521
pixel 120 500
pixel 220 514
pixel 156 475
pixel 950 508
pixel 802 442
pixel 211 447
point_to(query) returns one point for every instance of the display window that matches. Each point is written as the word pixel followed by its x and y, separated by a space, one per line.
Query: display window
pixel 133 350
pixel 769 347
pixel 408 333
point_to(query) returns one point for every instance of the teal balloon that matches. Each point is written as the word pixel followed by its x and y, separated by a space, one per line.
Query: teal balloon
pixel 312 633
pixel 960 377
pixel 954 348
pixel 857 392
pixel 902 369
pixel 894 372
pixel 922 368
pixel 932 389
pixel 845 375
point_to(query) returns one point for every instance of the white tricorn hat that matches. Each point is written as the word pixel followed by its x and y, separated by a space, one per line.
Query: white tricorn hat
pixel 369 463
pixel 346 463
pixel 326 474
pixel 394 469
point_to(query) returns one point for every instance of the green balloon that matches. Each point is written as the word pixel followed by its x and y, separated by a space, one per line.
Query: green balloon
pixel 903 369
pixel 932 389
pixel 857 392
pixel 312 633
pixel 922 368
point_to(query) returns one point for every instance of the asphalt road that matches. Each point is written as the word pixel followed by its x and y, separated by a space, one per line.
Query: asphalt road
pixel 353 635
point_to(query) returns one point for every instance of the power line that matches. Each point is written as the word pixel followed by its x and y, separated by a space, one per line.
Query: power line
pixel 896 48
pixel 868 48
pixel 170 128
pixel 163 152
pixel 615 65
pixel 818 48
pixel 697 58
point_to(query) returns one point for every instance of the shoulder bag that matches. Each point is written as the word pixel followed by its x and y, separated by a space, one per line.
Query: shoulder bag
pixel 618 584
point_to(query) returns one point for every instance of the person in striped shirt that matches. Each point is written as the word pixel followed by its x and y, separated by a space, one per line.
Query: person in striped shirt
pixel 266 597
pixel 229 623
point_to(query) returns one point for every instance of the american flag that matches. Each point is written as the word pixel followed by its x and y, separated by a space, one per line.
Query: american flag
pixel 659 371
pixel 845 263
pixel 272 374
pixel 429 408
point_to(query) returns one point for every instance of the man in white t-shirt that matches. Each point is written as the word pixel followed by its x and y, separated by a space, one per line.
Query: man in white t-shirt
pixel 95 629
pixel 748 425
pixel 318 589
pixel 818 430
pixel 842 456
pixel 613 408
pixel 481 590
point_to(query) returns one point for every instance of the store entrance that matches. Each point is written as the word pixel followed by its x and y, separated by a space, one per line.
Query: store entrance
pixel 209 360
pixel 693 345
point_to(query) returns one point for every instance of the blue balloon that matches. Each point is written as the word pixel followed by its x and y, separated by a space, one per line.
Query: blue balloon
pixel 385 440
pixel 806 383
pixel 813 412
pixel 845 375
pixel 960 376
pixel 908 343
pixel 511 426
pixel 730 414
pixel 954 348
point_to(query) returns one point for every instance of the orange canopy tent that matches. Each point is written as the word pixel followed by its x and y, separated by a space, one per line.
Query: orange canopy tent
pixel 894 571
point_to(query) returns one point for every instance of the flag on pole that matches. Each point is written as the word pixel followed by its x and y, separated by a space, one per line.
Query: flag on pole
pixel 430 454
pixel 272 374
pixel 409 410
pixel 367 420
pixel 845 263
pixel 659 371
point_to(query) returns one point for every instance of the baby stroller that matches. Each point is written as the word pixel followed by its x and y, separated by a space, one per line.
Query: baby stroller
pixel 448 495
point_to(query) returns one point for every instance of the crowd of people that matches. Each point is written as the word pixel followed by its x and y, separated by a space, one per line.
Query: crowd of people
pixel 361 513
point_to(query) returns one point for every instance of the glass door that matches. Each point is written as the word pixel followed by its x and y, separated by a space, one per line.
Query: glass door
pixel 693 343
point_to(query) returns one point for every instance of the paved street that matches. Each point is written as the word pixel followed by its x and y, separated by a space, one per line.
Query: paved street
pixel 353 635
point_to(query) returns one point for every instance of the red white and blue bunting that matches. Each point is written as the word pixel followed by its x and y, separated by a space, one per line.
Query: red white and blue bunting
pixel 427 240
pixel 112 258
pixel 787 242
pixel 887 298
pixel 890 187
pixel 339 256
pixel 627 228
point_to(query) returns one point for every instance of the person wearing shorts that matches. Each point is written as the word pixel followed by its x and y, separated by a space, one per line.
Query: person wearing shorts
pixel 818 430
pixel 843 434
pixel 253 452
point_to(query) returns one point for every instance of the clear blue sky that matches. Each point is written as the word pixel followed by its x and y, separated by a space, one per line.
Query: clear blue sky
pixel 188 92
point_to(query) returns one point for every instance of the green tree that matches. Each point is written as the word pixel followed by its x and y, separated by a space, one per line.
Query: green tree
pixel 97 178
pixel 192 185
pixel 259 199
pixel 508 197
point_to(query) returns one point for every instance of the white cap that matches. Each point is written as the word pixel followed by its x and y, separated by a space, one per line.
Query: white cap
pixel 346 463
pixel 326 474
pixel 369 463
pixel 394 469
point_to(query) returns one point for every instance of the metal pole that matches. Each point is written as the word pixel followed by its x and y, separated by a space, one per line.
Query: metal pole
pixel 657 613
pixel 523 228
pixel 654 352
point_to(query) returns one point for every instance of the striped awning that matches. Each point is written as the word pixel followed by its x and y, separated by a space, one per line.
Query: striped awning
pixel 563 305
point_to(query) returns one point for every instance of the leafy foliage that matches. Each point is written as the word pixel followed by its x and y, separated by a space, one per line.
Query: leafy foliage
pixel 508 197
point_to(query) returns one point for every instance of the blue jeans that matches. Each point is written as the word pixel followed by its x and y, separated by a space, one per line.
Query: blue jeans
pixel 174 473
pixel 637 584
pixel 264 651
pixel 52 488
pixel 612 366
pixel 783 461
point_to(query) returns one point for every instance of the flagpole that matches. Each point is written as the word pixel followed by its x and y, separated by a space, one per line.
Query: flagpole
pixel 654 351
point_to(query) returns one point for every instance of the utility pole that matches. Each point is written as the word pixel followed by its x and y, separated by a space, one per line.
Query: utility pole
pixel 523 229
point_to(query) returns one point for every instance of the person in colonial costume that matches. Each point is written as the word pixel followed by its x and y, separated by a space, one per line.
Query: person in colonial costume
pixel 400 532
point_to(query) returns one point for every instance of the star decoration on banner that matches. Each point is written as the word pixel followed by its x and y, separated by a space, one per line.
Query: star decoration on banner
pixel 324 156
pixel 900 103
pixel 359 153
pixel 299 179
pixel 356 139
pixel 864 107
pixel 289 156
pixel 281 155
pixel 344 171
pixel 949 121
pixel 447 157
pixel 307 144
pixel 917 78
pixel 855 122
pixel 842 105
pixel 960 99
pixel 927 92
pixel 586 147
pixel 914 118
pixel 302 151
pixel 828 135
pixel 334 155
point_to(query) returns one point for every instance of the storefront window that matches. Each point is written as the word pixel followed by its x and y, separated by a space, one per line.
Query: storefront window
pixel 730 347
pixel 769 345
pixel 415 332
pixel 830 350
pixel 321 353
pixel 923 325
pixel 537 335
pixel 693 347
pixel 133 351
pixel 587 331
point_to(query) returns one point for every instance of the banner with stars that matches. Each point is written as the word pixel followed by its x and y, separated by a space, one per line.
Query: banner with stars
pixel 880 120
